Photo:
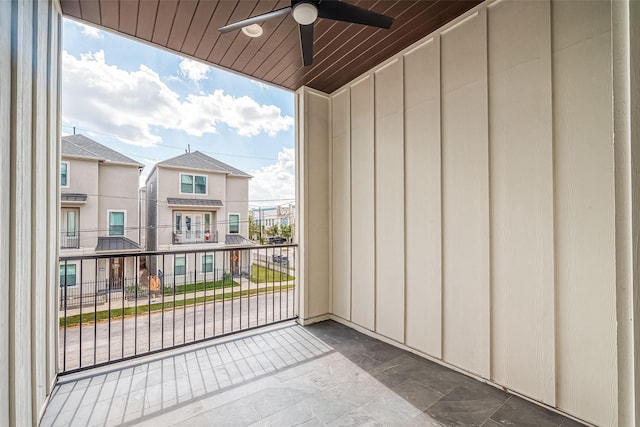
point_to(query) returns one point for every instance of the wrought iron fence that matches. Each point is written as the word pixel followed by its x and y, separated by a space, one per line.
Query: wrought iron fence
pixel 122 305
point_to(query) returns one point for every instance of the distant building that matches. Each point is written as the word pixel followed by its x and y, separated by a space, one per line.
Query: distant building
pixel 99 211
pixel 266 217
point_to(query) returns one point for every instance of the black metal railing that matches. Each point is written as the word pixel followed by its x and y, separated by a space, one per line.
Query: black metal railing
pixel 69 240
pixel 119 306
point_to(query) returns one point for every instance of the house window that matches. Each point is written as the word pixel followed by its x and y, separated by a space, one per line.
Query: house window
pixel 193 184
pixel 207 223
pixel 116 223
pixel 67 275
pixel 71 223
pixel 207 263
pixel 201 184
pixel 64 174
pixel 180 266
pixel 234 223
pixel 178 223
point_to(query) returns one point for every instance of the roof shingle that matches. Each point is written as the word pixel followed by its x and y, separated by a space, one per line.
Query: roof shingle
pixel 193 202
pixel 80 145
pixel 198 160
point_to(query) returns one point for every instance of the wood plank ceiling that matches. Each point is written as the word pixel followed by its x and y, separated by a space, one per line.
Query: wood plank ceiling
pixel 342 51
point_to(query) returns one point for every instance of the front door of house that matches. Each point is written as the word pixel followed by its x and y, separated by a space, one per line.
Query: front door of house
pixel 234 259
pixel 116 273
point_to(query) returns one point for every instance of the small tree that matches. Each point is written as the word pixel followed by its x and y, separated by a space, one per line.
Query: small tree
pixel 254 229
pixel 285 231
pixel 273 230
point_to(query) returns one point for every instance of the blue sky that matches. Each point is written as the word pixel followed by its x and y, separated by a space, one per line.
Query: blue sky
pixel 150 104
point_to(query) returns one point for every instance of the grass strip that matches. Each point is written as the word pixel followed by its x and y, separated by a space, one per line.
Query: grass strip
pixel 117 313
pixel 260 274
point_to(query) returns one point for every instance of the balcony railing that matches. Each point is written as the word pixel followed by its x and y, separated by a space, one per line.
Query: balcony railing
pixel 69 240
pixel 119 306
pixel 194 237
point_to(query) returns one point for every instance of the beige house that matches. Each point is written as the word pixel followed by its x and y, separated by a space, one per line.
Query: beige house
pixel 99 212
pixel 196 202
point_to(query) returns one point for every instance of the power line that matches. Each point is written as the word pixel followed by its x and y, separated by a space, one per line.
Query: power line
pixel 166 145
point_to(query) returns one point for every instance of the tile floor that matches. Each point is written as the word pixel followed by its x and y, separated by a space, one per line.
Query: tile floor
pixel 324 374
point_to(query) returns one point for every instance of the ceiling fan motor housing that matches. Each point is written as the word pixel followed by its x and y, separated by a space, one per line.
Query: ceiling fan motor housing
pixel 304 12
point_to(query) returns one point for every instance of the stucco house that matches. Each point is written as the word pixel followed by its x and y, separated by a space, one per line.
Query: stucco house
pixel 99 212
pixel 196 202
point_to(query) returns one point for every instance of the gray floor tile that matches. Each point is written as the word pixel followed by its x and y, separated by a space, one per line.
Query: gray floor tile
pixel 424 420
pixel 519 412
pixel 274 399
pixel 363 361
pixel 467 405
pixel 491 423
pixel 391 409
pixel 358 417
pixel 238 413
pixel 571 423
pixel 417 394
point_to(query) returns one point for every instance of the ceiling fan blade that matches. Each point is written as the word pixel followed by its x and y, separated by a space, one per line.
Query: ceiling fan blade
pixel 255 20
pixel 306 41
pixel 339 11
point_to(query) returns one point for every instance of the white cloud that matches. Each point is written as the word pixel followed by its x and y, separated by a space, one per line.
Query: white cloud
pixel 194 70
pixel 260 84
pixel 90 31
pixel 274 184
pixel 130 105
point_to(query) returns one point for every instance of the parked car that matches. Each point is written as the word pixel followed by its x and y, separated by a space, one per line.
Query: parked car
pixel 276 240
pixel 280 259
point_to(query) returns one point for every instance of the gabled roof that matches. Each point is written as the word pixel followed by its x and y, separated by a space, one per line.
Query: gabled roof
pixel 198 160
pixel 81 146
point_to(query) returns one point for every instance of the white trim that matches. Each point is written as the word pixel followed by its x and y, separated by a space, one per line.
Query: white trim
pixel 229 223
pixel 68 173
pixel 206 184
pixel 124 225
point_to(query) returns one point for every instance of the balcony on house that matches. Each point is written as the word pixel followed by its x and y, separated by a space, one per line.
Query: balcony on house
pixel 194 227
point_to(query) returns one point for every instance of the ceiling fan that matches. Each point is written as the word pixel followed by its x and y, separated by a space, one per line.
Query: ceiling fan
pixel 305 13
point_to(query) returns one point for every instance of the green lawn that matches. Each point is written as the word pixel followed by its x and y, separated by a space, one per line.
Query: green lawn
pixel 117 313
pixel 200 286
pixel 260 274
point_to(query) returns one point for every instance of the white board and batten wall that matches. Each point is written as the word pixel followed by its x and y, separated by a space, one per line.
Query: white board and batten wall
pixel 29 189
pixel 472 201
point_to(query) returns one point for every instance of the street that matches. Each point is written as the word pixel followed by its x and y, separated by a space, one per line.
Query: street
pixel 93 343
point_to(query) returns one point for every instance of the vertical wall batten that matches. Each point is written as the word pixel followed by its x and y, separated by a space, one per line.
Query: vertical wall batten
pixel 389 200
pixel 423 239
pixel 521 197
pixel 20 373
pixel 341 205
pixel 363 200
pixel 584 214
pixel 312 170
pixel 38 232
pixel 465 192
pixel 5 141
